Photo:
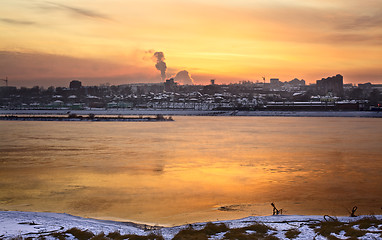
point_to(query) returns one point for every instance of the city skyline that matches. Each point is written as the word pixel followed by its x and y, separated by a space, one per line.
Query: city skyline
pixel 51 42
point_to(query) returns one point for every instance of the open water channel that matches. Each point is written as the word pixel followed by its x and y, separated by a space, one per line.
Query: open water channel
pixel 192 169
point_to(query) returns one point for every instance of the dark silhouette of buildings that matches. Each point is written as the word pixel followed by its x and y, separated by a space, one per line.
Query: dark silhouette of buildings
pixel 334 85
pixel 75 84
pixel 274 81
pixel 296 82
pixel 244 96
pixel 169 85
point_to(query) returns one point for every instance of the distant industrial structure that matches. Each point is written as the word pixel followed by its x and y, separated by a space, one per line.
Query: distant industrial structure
pixel 6 81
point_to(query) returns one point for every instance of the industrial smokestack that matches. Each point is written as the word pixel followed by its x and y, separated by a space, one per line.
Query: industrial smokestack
pixel 160 65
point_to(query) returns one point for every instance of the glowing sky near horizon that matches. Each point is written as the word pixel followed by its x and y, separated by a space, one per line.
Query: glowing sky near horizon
pixel 98 41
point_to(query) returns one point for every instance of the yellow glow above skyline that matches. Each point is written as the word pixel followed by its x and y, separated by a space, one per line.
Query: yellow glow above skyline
pixel 111 41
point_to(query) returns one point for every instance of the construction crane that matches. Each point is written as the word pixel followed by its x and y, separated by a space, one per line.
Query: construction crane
pixel 5 80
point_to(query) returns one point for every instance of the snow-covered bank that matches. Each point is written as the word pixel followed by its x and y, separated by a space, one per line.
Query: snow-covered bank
pixel 34 224
pixel 370 114
pixel 30 224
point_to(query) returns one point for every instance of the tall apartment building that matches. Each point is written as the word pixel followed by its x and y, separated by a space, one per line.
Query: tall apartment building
pixel 333 84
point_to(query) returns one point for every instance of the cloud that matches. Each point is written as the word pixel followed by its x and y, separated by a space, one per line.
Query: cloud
pixel 271 22
pixel 16 22
pixel 363 75
pixel 306 18
pixel 29 69
pixel 361 22
pixel 353 38
pixel 76 11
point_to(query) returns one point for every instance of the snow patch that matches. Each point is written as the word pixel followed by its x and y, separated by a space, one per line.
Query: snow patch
pixel 32 224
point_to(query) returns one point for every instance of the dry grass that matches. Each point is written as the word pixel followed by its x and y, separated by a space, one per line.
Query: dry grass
pixel 118 236
pixel 331 237
pixel 240 235
pixel 326 228
pixel 292 233
pixel 366 222
pixel 190 233
pixel 212 229
pixel 351 230
pixel 271 237
pixel 148 237
pixel 353 233
pixel 100 236
pixel 80 234
pixel 254 231
pixel 59 235
pixel 209 229
pixel 237 233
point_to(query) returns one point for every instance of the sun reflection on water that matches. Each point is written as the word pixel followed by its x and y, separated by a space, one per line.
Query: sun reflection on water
pixel 193 169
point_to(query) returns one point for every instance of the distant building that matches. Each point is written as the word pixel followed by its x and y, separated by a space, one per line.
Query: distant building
pixel 293 85
pixel 75 84
pixel 365 86
pixel 368 87
pixel 334 84
pixel 274 83
pixel 212 81
pixel 296 82
pixel 169 85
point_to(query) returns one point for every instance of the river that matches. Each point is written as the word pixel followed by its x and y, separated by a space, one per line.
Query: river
pixel 193 169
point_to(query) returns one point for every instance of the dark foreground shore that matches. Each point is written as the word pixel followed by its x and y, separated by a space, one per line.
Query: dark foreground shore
pixel 32 225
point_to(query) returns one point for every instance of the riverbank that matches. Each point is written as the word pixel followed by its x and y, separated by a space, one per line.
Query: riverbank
pixel 148 112
pixel 36 224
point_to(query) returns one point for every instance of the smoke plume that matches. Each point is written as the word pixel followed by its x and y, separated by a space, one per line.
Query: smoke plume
pixel 160 65
pixel 184 78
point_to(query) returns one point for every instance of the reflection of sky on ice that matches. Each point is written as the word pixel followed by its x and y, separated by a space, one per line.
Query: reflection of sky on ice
pixel 182 171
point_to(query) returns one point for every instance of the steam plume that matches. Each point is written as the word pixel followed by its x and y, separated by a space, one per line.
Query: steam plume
pixel 183 77
pixel 161 65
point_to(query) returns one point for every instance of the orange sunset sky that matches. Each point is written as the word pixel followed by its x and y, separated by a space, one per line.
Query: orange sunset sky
pixel 51 42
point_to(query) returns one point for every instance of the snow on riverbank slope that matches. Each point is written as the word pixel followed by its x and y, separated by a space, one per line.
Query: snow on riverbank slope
pixel 34 224
pixel 13 223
